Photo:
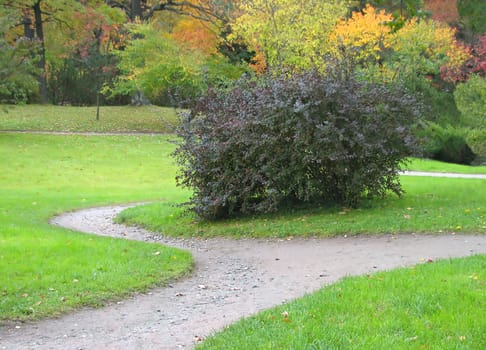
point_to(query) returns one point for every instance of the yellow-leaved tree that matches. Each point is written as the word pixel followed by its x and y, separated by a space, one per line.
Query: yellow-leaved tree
pixel 419 48
pixel 364 37
pixel 292 33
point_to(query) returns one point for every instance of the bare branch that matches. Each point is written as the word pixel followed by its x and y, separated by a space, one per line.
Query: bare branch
pixel 186 8
pixel 118 4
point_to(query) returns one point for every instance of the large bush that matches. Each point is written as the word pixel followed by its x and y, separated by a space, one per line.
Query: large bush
pixel 447 144
pixel 304 138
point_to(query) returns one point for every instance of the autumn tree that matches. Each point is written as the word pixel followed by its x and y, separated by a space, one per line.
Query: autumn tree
pixel 401 10
pixel 288 32
pixel 422 47
pixel 475 64
pixel 197 34
pixel 86 61
pixel 364 37
pixel 34 30
pixel 32 15
pixel 167 73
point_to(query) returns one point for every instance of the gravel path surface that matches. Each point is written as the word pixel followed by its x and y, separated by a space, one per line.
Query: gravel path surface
pixel 232 279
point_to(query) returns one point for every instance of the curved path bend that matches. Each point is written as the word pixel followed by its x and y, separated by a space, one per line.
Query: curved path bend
pixel 231 279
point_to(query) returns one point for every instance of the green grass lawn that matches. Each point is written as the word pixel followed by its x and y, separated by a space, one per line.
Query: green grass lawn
pixel 83 119
pixel 46 270
pixel 440 305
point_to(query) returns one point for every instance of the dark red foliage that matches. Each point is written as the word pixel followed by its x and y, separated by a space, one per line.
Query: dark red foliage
pixel 301 139
pixel 475 65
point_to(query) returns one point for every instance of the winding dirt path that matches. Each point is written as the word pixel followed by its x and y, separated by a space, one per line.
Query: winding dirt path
pixel 232 279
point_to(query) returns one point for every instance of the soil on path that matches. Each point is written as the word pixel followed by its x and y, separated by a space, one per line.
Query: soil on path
pixel 232 279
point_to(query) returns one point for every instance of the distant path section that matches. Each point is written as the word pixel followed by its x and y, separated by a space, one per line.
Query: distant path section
pixel 448 175
pixel 232 279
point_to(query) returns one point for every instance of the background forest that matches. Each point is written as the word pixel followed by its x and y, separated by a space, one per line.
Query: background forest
pixel 169 52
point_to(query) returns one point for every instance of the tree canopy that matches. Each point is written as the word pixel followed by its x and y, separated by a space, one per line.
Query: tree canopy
pixel 74 49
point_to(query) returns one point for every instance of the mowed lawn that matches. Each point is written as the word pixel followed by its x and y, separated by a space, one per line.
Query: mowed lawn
pixel 46 270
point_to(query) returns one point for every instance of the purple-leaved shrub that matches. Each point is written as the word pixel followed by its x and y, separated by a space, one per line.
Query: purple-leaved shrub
pixel 307 137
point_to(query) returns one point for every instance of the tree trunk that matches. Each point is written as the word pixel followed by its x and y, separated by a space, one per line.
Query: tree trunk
pixel 29 32
pixel 39 29
pixel 136 10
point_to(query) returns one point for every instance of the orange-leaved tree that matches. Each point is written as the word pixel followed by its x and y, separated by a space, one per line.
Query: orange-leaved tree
pixel 196 34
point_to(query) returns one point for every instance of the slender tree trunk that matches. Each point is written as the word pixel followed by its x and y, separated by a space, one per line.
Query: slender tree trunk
pixel 29 32
pixel 39 29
